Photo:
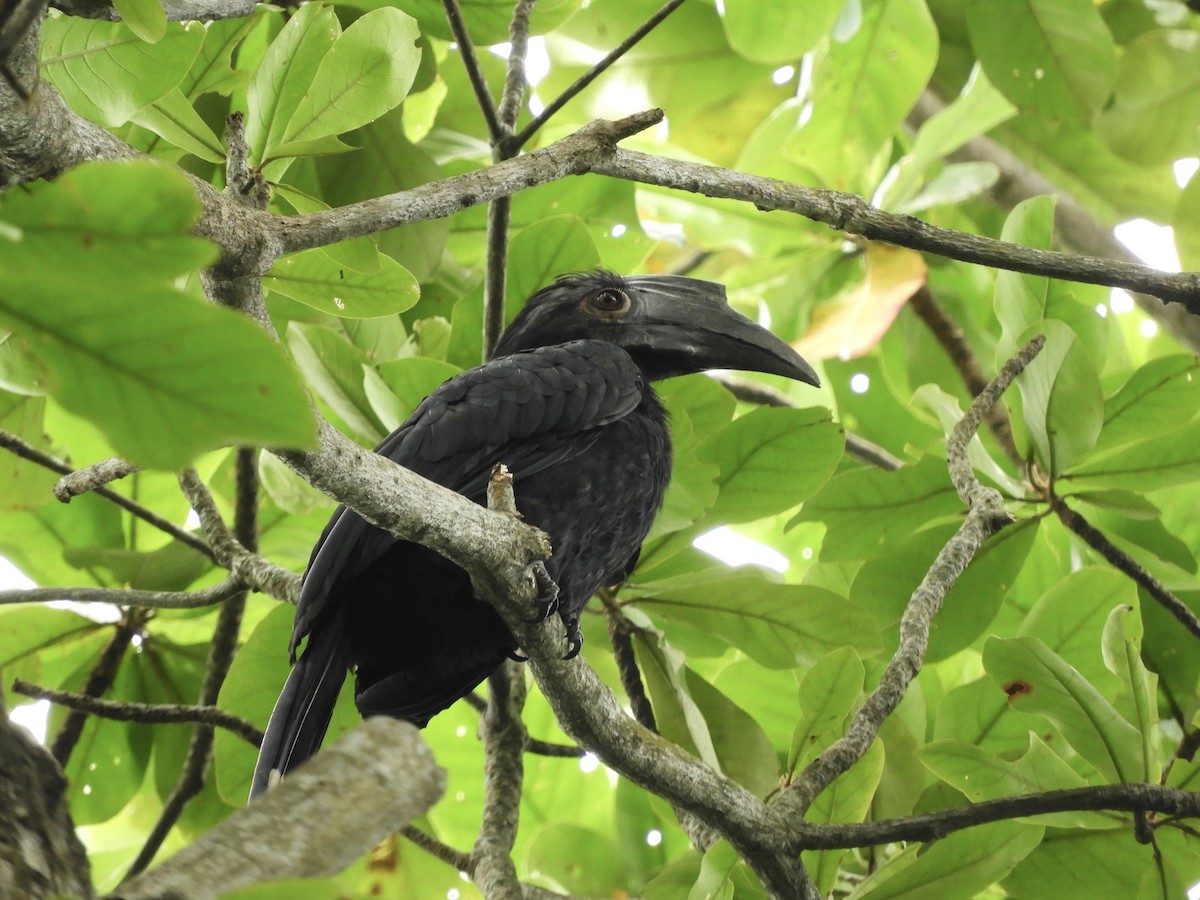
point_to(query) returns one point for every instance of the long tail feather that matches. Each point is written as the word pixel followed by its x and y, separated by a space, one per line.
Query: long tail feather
pixel 303 710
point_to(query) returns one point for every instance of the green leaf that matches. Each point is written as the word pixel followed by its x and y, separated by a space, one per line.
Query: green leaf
pixel 828 694
pixel 36 540
pixel 106 72
pixel 982 775
pixel 848 799
pixel 1053 57
pixel 1122 648
pixel 1061 399
pixel 1039 681
pixel 315 279
pixel 366 72
pixel 715 881
pixel 1156 399
pixel 959 865
pixel 158 385
pixel 286 75
pixel 1156 94
pixel 770 32
pixel 543 251
pixel 693 489
pixel 335 370
pixel 174 119
pixel 978 109
pixel 742 747
pixel 1164 461
pixel 867 509
pixel 1113 866
pixel 778 625
pixel 956 183
pixel 771 459
pixel 396 388
pixel 679 718
pixel 23 484
pixel 863 89
pixel 145 18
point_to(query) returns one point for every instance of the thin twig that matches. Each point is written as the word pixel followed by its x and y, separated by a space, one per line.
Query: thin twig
pixel 753 392
pixel 145 713
pixel 532 745
pixel 209 596
pixel 91 477
pixel 985 517
pixel 487 105
pixel 950 335
pixel 1131 798
pixel 220 656
pixel 101 678
pixel 500 210
pixel 251 569
pixel 434 847
pixel 1121 560
pixel 27 451
pixel 593 73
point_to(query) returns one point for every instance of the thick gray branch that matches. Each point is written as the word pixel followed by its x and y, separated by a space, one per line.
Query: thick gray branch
pixel 854 215
pixel 175 10
pixel 325 815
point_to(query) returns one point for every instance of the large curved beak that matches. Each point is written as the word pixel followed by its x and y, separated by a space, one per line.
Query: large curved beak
pixel 685 325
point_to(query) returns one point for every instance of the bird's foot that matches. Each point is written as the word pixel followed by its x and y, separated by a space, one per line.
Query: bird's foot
pixel 574 636
pixel 546 603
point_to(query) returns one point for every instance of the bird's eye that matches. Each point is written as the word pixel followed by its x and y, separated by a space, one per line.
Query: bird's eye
pixel 610 302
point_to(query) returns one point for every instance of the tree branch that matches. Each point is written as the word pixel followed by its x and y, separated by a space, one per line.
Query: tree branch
pixel 248 568
pixel 145 713
pixel 209 596
pixel 1122 561
pixel 322 817
pixel 986 516
pixel 854 215
pixel 483 94
pixel 1131 798
pixel 175 10
pixel 15 445
pixel 91 477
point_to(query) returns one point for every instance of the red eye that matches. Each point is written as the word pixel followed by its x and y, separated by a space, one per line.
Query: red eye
pixel 610 301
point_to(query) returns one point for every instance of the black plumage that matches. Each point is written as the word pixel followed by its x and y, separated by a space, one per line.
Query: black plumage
pixel 566 405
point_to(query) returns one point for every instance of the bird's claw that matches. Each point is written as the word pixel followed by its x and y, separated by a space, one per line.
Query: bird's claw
pixel 517 656
pixel 546 603
pixel 574 637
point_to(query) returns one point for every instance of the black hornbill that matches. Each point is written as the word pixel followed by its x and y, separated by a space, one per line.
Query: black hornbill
pixel 566 405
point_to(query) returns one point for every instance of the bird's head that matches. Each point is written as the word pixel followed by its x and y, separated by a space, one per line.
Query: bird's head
pixel 669 324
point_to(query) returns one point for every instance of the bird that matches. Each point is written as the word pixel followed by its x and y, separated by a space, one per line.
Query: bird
pixel 566 403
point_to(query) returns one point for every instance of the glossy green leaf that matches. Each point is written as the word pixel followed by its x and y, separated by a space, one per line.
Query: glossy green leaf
pixel 1061 398
pixel 174 119
pixel 679 718
pixel 1039 681
pixel 106 72
pixel 542 252
pixel 982 775
pixel 396 388
pixel 366 72
pixel 959 865
pixel 1156 399
pixel 160 386
pixel 1106 863
pixel 286 74
pixel 715 880
pixel 335 370
pixel 848 799
pixel 1155 95
pixel 868 509
pixel 741 745
pixel 145 18
pixel 1055 57
pixel 1170 459
pixel 828 694
pixel 770 32
pixel 778 625
pixel 315 279
pixel 863 88
pixel 770 460
pixel 1123 656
